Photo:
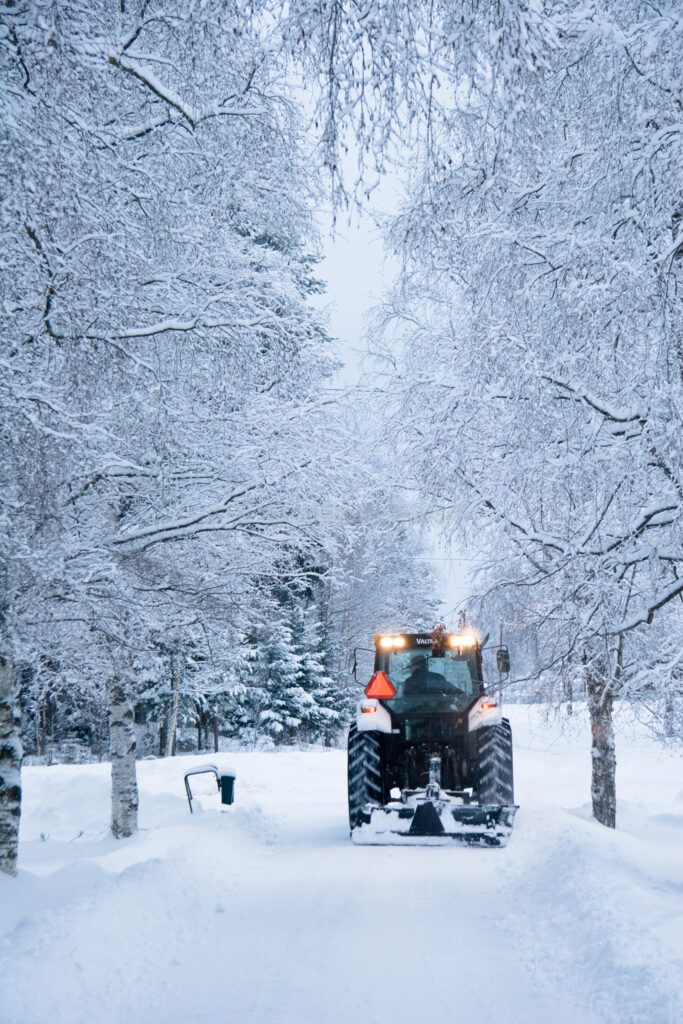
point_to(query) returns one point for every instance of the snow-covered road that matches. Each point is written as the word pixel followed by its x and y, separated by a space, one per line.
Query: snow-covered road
pixel 265 912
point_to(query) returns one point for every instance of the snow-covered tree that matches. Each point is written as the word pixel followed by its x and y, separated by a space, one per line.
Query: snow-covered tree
pixel 158 352
pixel 540 310
pixel 165 436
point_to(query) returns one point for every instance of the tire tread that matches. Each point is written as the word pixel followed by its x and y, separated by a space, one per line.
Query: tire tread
pixel 364 772
pixel 495 775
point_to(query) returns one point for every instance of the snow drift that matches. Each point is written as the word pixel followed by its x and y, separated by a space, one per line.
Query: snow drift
pixel 266 912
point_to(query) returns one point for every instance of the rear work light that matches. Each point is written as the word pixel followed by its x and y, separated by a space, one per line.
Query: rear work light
pixel 380 686
pixel 462 640
pixel 392 641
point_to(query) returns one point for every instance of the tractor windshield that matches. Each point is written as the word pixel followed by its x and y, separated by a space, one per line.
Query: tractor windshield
pixel 424 683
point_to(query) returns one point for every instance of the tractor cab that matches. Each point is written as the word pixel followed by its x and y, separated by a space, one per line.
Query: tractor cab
pixel 427 675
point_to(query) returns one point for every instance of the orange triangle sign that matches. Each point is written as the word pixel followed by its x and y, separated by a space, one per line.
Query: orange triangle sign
pixel 380 686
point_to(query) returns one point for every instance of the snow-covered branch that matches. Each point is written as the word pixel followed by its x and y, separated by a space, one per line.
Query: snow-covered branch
pixel 646 614
pixel 172 99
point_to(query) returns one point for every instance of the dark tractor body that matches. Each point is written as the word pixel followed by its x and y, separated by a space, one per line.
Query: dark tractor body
pixel 430 757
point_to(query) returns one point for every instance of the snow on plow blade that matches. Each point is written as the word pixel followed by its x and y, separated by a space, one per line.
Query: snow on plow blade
pixel 435 824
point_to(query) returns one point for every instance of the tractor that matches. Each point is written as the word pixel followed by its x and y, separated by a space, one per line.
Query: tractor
pixel 429 753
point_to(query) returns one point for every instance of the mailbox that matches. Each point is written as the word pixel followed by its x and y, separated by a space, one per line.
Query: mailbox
pixel 224 781
pixel 227 789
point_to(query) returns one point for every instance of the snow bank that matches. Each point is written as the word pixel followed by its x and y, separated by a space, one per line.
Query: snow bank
pixel 264 911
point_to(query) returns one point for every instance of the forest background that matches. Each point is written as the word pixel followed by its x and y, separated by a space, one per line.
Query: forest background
pixel 199 524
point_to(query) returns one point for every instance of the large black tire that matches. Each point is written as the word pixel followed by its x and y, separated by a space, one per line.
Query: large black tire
pixel 495 782
pixel 365 773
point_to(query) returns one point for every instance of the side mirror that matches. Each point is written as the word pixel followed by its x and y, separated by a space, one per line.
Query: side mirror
pixel 503 660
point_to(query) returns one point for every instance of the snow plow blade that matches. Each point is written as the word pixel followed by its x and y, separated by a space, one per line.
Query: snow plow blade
pixel 432 824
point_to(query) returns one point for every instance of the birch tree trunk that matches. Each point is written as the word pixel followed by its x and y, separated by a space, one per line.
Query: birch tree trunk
pixel 124 786
pixel 175 689
pixel 163 732
pixel 604 762
pixel 10 763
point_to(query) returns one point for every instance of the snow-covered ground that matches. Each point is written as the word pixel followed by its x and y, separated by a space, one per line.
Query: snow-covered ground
pixel 265 911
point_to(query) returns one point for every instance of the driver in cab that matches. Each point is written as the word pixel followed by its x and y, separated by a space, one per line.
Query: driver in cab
pixel 422 680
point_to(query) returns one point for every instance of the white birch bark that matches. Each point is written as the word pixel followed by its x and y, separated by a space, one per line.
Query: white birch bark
pixel 175 689
pixel 10 763
pixel 603 758
pixel 124 786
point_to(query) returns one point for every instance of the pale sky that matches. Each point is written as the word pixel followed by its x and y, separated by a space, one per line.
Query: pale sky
pixel 357 274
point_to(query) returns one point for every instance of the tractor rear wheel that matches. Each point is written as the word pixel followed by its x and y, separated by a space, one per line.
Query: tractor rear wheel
pixel 495 783
pixel 365 773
